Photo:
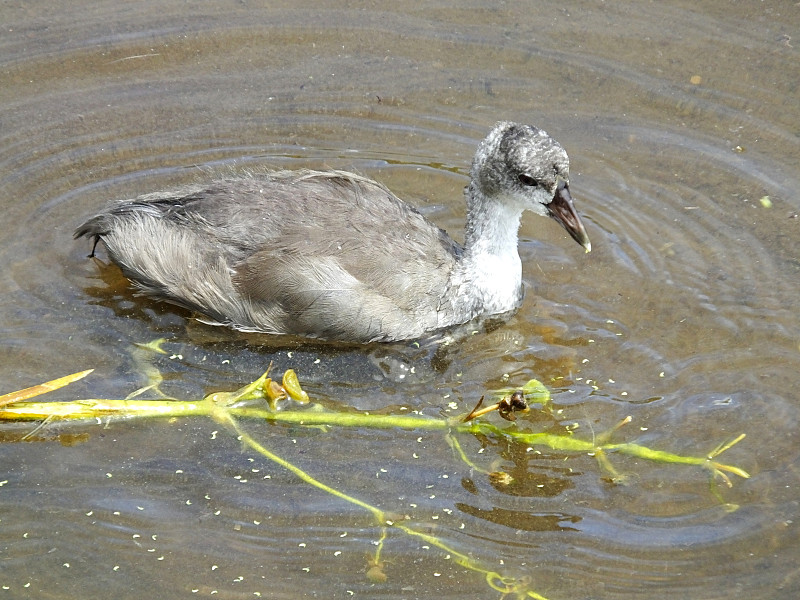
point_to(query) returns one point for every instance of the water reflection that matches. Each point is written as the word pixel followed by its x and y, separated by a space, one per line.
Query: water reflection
pixel 683 316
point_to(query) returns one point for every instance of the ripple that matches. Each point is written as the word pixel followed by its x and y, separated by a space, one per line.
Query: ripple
pixel 682 316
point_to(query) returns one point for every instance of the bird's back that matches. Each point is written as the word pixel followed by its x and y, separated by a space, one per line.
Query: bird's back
pixel 331 255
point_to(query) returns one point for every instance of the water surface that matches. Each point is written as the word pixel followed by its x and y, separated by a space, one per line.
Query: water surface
pixel 681 121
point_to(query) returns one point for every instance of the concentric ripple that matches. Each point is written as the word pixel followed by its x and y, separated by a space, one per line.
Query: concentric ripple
pixel 681 125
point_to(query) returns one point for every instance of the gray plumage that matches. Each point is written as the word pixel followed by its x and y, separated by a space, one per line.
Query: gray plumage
pixel 337 256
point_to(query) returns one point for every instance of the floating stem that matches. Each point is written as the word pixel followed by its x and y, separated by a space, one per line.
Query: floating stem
pixel 248 403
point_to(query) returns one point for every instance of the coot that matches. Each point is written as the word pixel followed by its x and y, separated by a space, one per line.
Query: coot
pixel 335 255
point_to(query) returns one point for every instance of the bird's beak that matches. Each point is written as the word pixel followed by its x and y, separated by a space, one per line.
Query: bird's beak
pixel 563 210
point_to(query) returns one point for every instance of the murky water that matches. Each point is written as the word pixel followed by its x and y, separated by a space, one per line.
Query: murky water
pixel 680 120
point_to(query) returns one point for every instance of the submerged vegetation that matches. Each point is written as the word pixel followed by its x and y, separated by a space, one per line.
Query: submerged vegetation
pixel 259 400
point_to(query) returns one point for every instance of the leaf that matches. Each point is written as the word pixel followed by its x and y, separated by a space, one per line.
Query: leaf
pixel 42 388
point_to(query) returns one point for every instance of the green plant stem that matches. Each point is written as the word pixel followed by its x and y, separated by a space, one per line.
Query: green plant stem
pixel 227 407
pixel 126 409
pixel 505 585
pixel 224 417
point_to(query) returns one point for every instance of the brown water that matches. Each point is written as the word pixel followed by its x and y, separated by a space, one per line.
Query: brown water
pixel 678 118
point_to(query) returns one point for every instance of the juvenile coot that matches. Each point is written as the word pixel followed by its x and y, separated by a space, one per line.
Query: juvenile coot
pixel 335 255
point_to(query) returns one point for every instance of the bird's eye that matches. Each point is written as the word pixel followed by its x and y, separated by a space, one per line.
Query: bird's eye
pixel 527 180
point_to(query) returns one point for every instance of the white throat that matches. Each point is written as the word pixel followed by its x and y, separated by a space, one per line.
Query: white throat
pixel 488 278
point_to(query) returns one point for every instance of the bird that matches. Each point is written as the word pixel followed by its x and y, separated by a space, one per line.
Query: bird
pixel 334 255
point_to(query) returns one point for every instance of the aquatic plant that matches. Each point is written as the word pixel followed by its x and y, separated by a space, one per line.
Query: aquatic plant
pixel 258 400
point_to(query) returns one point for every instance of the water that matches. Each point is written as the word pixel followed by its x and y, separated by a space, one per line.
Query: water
pixel 678 118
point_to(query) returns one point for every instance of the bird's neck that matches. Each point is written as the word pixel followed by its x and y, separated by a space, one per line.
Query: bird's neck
pixel 492 228
pixel 488 277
